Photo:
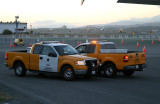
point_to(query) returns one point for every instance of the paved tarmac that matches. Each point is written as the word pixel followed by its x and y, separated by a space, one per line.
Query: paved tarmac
pixel 141 88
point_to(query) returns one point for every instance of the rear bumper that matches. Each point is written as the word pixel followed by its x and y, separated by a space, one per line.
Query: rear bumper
pixel 6 64
pixel 135 67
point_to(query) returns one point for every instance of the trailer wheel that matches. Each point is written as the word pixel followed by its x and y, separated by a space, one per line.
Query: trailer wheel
pixel 68 73
pixel 110 71
pixel 19 70
pixel 128 72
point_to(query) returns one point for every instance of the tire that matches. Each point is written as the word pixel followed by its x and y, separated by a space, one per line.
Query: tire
pixel 68 73
pixel 110 71
pixel 19 70
pixel 127 72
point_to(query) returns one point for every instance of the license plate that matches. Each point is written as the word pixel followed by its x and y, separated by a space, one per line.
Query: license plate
pixel 93 72
pixel 137 66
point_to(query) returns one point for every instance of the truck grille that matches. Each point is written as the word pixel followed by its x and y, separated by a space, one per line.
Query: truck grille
pixel 91 63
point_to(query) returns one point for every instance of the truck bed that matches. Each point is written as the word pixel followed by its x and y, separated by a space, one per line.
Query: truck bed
pixel 117 51
pixel 14 56
pixel 19 51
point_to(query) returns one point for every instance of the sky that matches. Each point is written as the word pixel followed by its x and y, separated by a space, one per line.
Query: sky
pixel 56 13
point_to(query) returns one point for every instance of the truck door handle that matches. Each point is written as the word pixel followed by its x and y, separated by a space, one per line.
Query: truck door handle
pixel 41 58
pixel 47 59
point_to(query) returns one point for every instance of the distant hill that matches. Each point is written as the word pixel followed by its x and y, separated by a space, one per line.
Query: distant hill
pixel 133 22
pixel 137 21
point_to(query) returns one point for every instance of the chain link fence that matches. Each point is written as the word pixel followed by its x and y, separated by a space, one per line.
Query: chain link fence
pixel 6 40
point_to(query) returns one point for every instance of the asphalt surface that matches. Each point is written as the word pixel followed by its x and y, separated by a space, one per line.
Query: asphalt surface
pixel 141 88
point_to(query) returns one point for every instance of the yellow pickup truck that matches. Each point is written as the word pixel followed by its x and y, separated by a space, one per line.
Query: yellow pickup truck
pixel 113 60
pixel 51 57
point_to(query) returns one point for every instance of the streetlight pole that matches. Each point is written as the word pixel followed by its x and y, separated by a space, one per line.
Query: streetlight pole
pixel 31 29
pixel 16 17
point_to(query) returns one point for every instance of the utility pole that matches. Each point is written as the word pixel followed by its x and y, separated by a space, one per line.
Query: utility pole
pixel 16 18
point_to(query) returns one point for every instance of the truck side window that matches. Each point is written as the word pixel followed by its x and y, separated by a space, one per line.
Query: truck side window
pixel 38 49
pixel 90 48
pixel 108 46
pixel 47 49
pixel 82 49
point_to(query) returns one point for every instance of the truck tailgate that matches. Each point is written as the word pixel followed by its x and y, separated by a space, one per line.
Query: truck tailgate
pixel 136 58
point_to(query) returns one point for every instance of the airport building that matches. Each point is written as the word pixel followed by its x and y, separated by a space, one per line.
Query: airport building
pixel 21 28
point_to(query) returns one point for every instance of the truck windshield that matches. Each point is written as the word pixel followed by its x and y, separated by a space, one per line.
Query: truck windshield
pixel 108 46
pixel 65 50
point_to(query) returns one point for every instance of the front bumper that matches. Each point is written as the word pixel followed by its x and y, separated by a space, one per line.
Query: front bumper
pixel 80 72
pixel 135 67
pixel 84 72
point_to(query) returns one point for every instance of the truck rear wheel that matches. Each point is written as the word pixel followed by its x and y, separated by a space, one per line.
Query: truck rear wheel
pixel 68 73
pixel 127 72
pixel 110 71
pixel 19 70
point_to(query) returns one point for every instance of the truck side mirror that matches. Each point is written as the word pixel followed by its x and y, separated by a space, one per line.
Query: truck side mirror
pixel 52 54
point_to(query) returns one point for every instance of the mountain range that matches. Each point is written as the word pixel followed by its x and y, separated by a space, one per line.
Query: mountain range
pixel 133 22
pixel 137 21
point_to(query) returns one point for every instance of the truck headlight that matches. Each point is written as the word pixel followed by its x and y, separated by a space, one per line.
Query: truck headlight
pixel 80 63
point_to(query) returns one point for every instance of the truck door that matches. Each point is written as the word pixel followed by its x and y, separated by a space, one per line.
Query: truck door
pixel 34 57
pixel 48 60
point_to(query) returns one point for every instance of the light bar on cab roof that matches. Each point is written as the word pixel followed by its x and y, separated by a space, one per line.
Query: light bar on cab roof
pixel 48 42
pixel 94 41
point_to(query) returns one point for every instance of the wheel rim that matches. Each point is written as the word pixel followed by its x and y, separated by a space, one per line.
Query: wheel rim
pixel 109 71
pixel 19 70
pixel 68 73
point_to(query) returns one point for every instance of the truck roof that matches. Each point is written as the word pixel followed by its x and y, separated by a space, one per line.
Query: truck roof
pixel 98 43
pixel 55 44
pixel 51 43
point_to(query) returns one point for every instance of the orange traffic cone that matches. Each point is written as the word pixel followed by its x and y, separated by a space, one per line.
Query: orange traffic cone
pixel 78 43
pixel 122 43
pixel 152 42
pixel 63 42
pixel 11 45
pixel 144 49
pixel 159 39
pixel 30 45
pixel 14 45
pixel 137 44
pixel 142 40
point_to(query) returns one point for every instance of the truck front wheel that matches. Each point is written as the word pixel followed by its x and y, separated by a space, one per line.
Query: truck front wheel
pixel 19 70
pixel 127 72
pixel 68 73
pixel 110 71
